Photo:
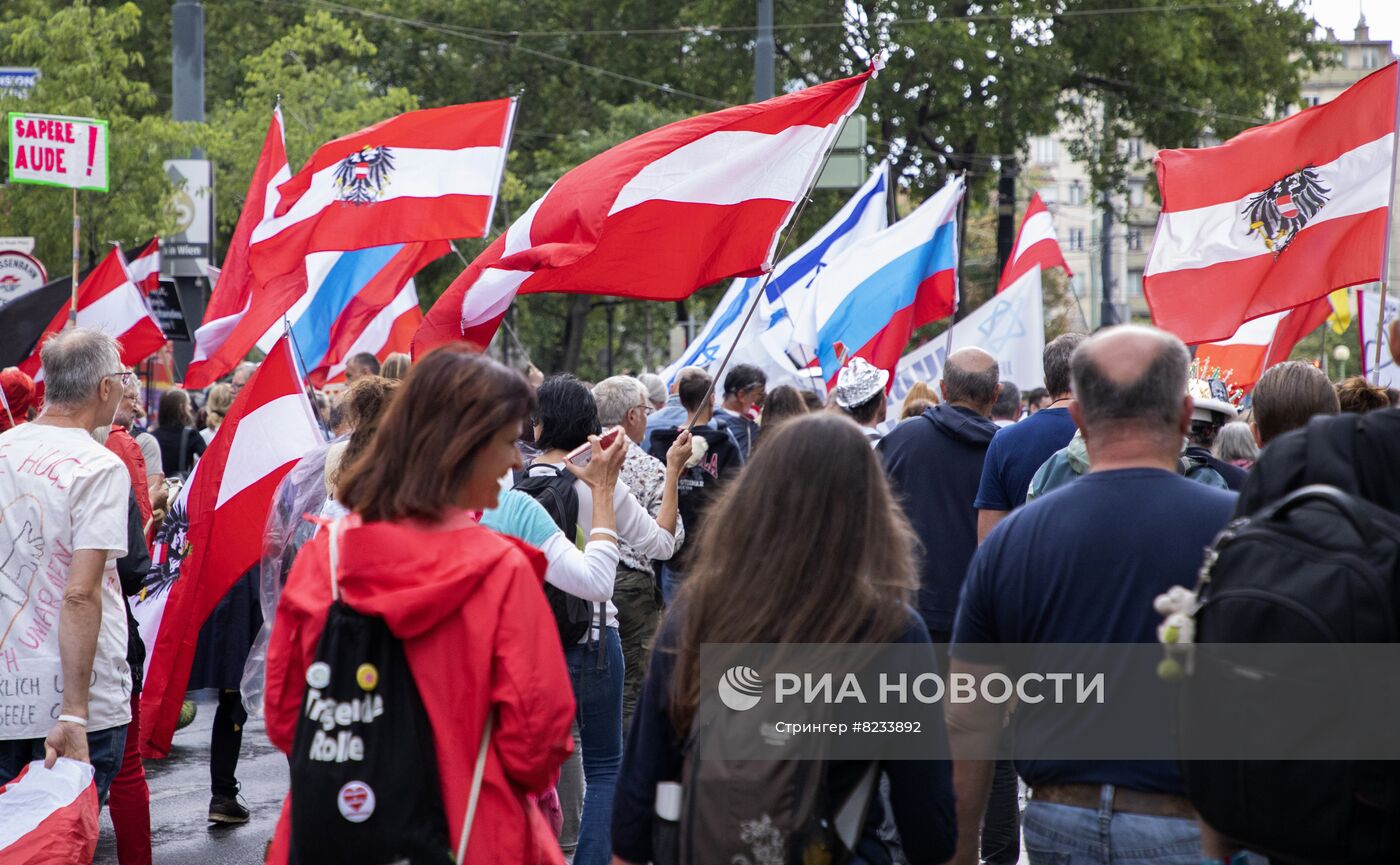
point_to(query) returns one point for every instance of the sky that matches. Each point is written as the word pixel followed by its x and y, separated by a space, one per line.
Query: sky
pixel 1341 15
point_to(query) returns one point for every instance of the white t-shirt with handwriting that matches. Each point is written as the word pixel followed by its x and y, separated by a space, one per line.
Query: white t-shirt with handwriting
pixel 60 491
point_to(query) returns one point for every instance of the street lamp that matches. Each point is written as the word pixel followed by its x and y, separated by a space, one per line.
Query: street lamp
pixel 1341 354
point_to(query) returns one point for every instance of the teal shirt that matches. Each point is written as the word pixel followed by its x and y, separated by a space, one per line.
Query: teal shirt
pixel 521 517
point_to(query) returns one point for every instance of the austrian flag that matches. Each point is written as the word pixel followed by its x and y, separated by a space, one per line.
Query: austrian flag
pixel 1278 216
pixel 659 216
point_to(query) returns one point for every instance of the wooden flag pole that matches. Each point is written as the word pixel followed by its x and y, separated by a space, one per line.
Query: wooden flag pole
pixel 73 306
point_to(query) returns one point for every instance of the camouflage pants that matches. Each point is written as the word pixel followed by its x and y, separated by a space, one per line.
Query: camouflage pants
pixel 638 602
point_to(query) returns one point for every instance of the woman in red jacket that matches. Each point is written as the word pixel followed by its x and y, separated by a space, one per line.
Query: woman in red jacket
pixel 466 603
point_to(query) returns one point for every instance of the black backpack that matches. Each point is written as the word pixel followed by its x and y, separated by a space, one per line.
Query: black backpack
pixel 364 778
pixel 1319 566
pixel 761 810
pixel 573 616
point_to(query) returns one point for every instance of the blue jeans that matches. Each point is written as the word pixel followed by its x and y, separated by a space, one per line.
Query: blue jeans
pixel 596 674
pixel 1065 835
pixel 670 585
pixel 105 749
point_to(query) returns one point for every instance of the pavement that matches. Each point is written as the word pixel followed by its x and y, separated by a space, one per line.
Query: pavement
pixel 179 785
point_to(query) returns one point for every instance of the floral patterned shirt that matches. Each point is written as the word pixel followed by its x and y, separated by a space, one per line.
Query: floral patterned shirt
pixel 645 476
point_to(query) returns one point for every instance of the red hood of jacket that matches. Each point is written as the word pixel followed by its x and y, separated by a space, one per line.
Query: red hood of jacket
pixel 414 578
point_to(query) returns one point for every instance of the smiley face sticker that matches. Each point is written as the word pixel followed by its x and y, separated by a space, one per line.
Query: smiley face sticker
pixel 318 675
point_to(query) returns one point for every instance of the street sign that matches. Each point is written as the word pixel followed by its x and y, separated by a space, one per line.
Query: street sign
pixel 165 303
pixel 187 251
pixel 18 81
pixel 20 273
pixel 846 169
pixel 54 150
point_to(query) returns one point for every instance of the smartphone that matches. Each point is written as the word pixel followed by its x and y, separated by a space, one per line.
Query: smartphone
pixel 580 455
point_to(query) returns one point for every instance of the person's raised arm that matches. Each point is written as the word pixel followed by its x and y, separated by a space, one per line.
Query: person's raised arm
pixel 676 456
pixel 601 476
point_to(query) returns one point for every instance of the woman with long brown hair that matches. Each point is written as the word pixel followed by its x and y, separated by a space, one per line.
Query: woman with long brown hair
pixel 807 546
pixel 465 602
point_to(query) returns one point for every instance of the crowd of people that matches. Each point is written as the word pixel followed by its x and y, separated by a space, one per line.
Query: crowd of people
pixel 551 555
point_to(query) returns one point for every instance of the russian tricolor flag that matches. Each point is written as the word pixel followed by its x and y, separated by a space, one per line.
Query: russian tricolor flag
pixel 868 301
pixel 346 293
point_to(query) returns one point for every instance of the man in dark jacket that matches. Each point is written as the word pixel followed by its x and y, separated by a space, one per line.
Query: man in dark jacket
pixel 935 463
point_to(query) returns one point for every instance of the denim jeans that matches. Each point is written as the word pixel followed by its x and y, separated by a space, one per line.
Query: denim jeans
pixel 1065 835
pixel 105 749
pixel 597 685
pixel 670 585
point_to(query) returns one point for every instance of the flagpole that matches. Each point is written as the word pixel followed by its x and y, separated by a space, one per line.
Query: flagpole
pixel 957 286
pixel 73 308
pixel 300 365
pixel 1385 246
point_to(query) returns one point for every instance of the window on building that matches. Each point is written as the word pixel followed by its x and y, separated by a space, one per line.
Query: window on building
pixel 1134 283
pixel 1135 239
pixel 1136 195
pixel 1043 150
pixel 1076 239
pixel 1368 58
pixel 1076 193
pixel 1133 148
pixel 1312 101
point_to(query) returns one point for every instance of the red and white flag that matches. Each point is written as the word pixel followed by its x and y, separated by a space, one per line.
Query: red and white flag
pixel 144 269
pixel 1036 246
pixel 1275 217
pixel 49 815
pixel 390 331
pixel 1262 342
pixel 224 339
pixel 214 531
pixel 109 301
pixel 425 175
pixel 656 217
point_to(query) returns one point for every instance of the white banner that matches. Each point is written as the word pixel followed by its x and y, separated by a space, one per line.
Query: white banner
pixel 1370 306
pixel 51 150
pixel 1010 326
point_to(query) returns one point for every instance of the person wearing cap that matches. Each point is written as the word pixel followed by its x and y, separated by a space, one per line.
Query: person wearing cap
pixel 1210 414
pixel 16 397
pixel 860 393
pixel 744 388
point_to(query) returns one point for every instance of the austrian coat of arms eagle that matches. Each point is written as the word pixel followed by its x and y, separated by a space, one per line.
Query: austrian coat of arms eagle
pixel 1278 213
pixel 361 177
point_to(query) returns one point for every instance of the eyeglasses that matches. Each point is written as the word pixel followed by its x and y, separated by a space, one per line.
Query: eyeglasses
pixel 125 377
pixel 646 409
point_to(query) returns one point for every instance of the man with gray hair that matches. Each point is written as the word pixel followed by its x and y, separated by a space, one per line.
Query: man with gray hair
pixel 63 525
pixel 623 401
pixel 1070 568
pixel 1018 451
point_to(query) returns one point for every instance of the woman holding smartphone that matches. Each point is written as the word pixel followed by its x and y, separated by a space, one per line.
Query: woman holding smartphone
pixel 566 417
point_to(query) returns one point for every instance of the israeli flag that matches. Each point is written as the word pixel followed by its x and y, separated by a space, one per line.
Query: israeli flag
pixel 767 341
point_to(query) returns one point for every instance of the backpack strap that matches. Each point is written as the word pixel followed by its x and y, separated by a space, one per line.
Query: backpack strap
pixel 1331 452
pixel 475 794
pixel 333 547
pixel 184 449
